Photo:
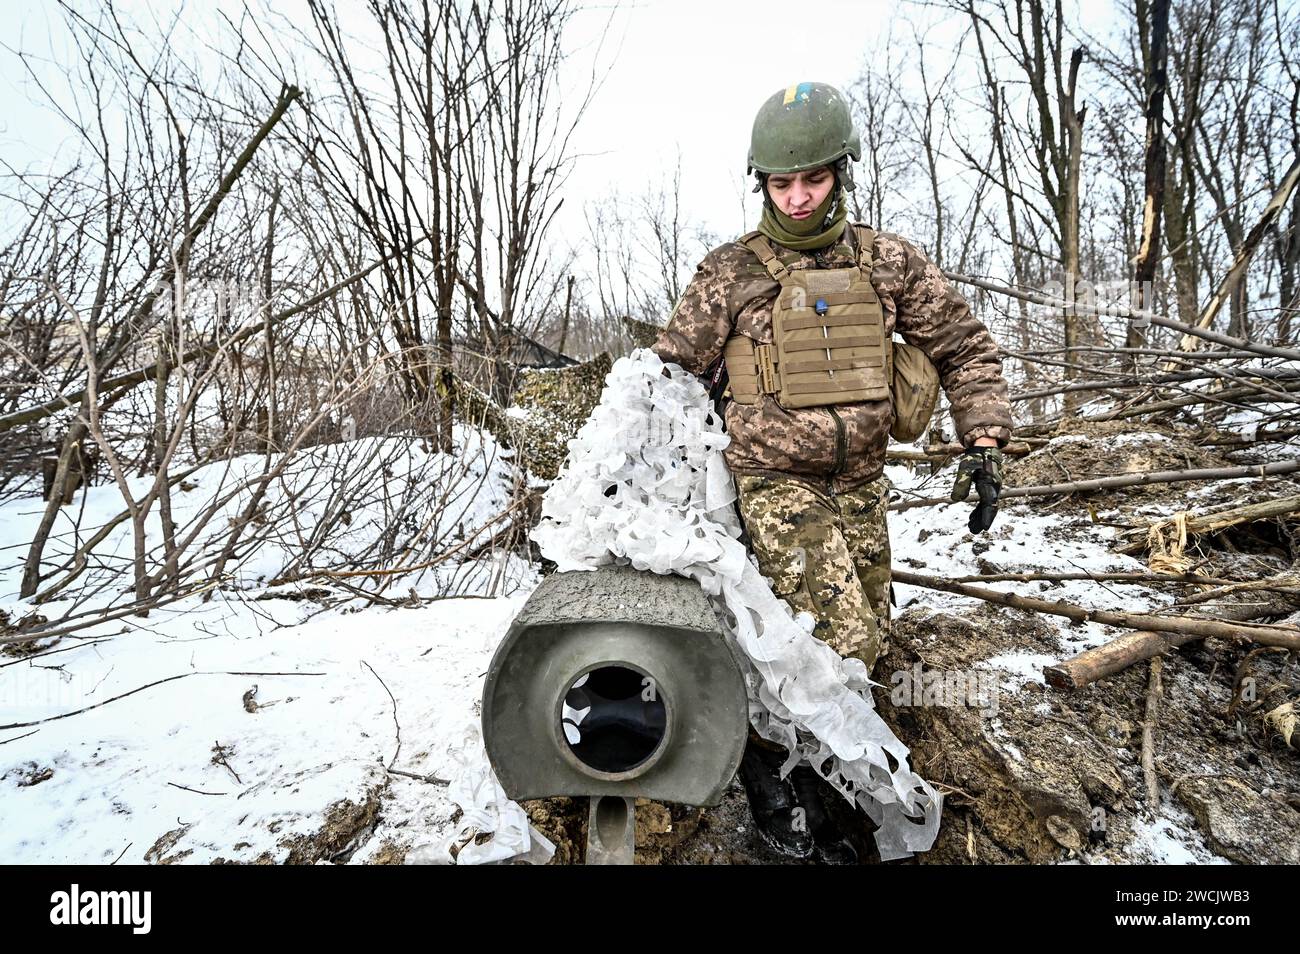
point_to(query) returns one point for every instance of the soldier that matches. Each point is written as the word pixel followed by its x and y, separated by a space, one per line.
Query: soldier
pixel 798 317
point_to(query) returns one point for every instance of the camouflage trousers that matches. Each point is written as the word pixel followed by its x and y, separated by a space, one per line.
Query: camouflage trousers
pixel 826 554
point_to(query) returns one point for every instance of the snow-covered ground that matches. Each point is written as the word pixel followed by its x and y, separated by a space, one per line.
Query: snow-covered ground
pixel 232 726
pixel 259 726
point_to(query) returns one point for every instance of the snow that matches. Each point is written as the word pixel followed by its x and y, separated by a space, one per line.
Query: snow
pixel 1171 838
pixel 323 726
pixel 1026 667
pixel 1025 538
pixel 111 781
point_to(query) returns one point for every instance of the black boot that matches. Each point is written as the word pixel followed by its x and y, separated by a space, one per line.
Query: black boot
pixel 772 803
pixel 830 845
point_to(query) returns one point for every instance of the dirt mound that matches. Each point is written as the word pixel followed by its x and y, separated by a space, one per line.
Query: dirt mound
pixel 1025 778
pixel 1082 450
pixel 1056 774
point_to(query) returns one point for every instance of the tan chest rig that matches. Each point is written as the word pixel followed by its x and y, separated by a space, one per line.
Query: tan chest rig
pixel 828 336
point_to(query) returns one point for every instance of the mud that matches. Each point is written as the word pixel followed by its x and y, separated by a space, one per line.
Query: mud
pixel 347 825
pixel 1052 775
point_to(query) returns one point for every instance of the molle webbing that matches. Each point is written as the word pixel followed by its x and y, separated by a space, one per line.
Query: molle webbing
pixel 828 335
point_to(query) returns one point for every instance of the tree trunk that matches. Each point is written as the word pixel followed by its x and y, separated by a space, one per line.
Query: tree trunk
pixel 1153 23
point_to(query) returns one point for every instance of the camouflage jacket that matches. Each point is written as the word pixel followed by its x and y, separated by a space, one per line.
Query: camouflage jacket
pixel 841 446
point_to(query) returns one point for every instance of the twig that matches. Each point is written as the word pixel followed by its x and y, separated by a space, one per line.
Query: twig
pixel 195 790
pixel 221 757
pixel 394 701
pixel 430 779
pixel 159 682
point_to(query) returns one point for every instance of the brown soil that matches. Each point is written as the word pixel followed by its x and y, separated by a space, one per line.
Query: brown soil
pixel 347 824
pixel 1111 449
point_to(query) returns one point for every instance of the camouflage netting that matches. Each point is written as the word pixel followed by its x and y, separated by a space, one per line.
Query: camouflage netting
pixel 548 407
pixel 646 485
pixel 642 333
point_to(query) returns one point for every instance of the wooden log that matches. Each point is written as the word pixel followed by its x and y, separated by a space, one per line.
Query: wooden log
pixel 1265 635
pixel 1106 660
pixel 1126 480
pixel 1199 524
pixel 1115 656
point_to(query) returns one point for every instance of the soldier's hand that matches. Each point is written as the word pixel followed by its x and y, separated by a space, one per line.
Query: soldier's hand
pixel 981 466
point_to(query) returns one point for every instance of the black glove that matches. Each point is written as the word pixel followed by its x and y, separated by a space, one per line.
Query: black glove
pixel 983 466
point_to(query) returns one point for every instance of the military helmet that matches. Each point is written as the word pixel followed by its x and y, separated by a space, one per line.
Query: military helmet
pixel 802 127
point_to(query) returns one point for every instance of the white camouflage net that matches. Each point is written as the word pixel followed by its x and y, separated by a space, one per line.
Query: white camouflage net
pixel 646 485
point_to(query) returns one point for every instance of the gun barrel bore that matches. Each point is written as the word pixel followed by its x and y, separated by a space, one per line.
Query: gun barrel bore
pixel 614 718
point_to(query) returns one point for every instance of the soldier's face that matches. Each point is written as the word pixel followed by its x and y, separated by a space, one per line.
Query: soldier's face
pixel 799 193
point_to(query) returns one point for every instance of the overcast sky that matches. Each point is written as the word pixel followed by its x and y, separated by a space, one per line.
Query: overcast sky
pixel 678 77
pixel 689 75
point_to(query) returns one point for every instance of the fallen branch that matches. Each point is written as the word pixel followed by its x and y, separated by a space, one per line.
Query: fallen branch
pixel 195 790
pixel 1124 382
pixel 427 779
pixel 1240 393
pixel 1288 583
pixel 1125 576
pixel 1126 480
pixel 1193 627
pixel 942 452
pixel 1106 660
pixel 158 682
pixel 391 698
pixel 1192 524
pixel 1265 436
pixel 1120 311
pixel 1143 409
